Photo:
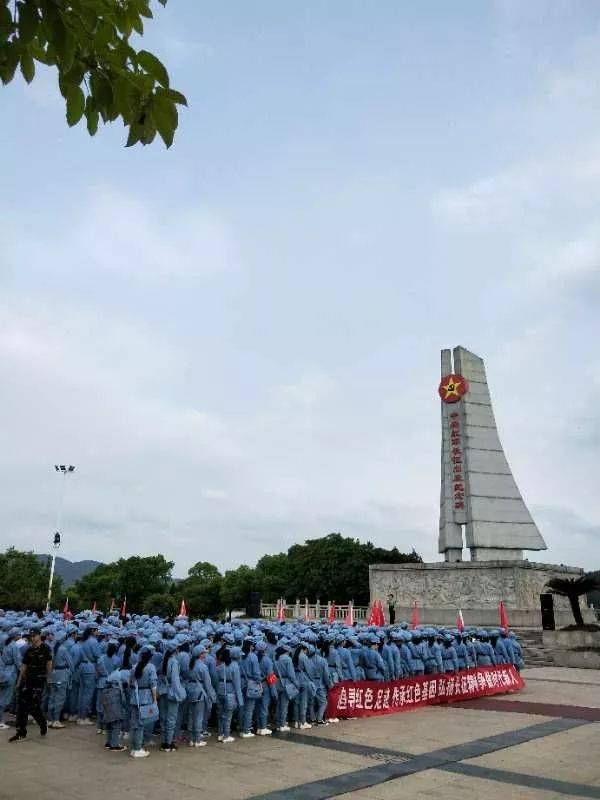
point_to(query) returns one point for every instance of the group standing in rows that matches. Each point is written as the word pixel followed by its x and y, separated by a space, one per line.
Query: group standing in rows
pixel 147 677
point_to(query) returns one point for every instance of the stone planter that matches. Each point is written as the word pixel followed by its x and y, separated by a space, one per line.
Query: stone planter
pixel 577 648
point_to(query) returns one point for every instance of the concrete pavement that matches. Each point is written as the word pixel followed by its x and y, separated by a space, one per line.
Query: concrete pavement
pixel 543 743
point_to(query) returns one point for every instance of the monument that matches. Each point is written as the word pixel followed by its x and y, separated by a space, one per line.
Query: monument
pixel 478 488
pixel 482 510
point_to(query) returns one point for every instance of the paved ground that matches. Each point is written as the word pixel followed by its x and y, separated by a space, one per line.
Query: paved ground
pixel 539 744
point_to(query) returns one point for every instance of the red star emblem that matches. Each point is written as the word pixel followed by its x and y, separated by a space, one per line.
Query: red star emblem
pixel 452 388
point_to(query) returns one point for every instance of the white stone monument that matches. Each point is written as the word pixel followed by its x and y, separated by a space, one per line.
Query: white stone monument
pixel 481 508
pixel 478 489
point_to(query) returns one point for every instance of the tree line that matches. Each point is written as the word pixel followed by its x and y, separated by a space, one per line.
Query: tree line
pixel 333 567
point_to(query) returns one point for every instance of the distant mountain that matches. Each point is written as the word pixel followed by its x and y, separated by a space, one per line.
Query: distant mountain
pixel 70 571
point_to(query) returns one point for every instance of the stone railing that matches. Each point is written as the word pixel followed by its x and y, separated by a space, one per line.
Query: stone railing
pixel 312 611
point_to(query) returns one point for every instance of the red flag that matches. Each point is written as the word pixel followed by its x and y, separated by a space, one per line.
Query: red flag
pixel 371 619
pixel 124 606
pixel 460 623
pixel 183 609
pixel 503 616
pixel 376 616
pixel 414 620
pixel 349 618
pixel 331 615
pixel 66 612
pixel 94 609
pixel 280 610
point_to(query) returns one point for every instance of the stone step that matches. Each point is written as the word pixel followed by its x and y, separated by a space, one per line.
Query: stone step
pixel 535 654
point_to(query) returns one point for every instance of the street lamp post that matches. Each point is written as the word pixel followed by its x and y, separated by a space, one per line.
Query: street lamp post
pixel 63 470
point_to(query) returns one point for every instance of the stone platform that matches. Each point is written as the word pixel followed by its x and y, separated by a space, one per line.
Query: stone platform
pixel 578 648
pixel 476 587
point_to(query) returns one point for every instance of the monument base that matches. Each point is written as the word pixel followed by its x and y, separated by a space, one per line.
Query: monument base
pixel 578 648
pixel 475 587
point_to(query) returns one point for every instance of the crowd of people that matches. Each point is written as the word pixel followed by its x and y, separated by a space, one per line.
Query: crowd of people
pixel 138 677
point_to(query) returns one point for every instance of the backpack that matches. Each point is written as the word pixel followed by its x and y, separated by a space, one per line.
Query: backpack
pixel 112 704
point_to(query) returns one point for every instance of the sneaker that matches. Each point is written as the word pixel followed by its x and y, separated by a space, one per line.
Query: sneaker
pixel 228 740
pixel 305 726
pixel 264 732
pixel 17 738
pixel 220 738
pixel 99 730
pixel 200 744
pixel 206 734
pixel 322 722
pixel 84 722
pixel 191 744
pixel 248 735
pixel 125 735
pixel 107 746
pixel 58 725
pixel 4 726
pixel 173 746
pixel 166 748
pixel 284 729
pixel 139 754
pixel 121 749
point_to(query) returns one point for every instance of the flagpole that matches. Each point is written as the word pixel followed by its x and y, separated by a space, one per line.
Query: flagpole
pixel 63 470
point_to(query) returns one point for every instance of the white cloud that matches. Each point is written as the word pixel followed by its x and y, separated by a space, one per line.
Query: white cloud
pixel 113 231
pixel 308 392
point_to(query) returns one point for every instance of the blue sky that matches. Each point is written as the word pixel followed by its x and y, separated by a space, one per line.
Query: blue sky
pixel 237 340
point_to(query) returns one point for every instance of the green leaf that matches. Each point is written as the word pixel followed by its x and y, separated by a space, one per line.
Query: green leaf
pixel 153 67
pixel 104 34
pixel 102 92
pixel 9 59
pixel 143 10
pixel 122 93
pixel 69 49
pixel 58 37
pixel 6 21
pixel 75 104
pixel 38 52
pixel 173 95
pixel 63 85
pixel 92 121
pixel 76 74
pixel 136 132
pixel 138 26
pixel 27 65
pixel 29 21
pixel 166 118
pixel 149 131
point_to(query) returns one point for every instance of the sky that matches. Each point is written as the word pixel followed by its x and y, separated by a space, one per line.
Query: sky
pixel 236 341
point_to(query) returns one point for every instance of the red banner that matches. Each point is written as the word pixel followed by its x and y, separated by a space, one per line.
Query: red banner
pixel 370 698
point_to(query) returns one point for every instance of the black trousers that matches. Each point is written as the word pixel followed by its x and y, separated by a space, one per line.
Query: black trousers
pixel 392 614
pixel 29 701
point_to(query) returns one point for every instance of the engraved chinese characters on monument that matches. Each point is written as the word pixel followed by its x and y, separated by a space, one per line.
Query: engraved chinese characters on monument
pixel 478 490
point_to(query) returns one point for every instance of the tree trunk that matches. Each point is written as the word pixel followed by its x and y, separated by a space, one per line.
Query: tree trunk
pixel 576 609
